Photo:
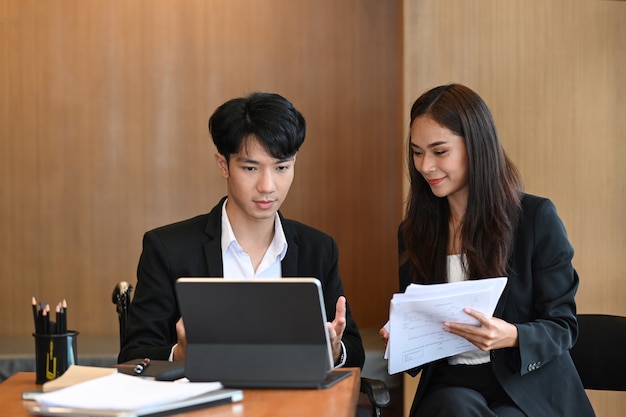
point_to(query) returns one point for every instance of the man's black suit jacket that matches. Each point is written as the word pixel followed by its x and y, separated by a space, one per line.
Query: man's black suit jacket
pixel 192 248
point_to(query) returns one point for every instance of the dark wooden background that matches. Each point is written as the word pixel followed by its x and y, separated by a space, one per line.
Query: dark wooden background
pixel 103 135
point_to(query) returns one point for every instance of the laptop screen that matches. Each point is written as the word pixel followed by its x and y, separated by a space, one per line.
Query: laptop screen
pixel 254 331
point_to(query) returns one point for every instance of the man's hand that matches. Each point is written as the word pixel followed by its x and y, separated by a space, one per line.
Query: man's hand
pixel 336 328
pixel 493 333
pixel 181 347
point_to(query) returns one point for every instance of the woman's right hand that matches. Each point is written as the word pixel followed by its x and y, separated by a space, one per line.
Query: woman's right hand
pixel 384 334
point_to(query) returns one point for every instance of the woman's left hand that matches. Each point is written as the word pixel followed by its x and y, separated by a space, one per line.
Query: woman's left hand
pixel 493 333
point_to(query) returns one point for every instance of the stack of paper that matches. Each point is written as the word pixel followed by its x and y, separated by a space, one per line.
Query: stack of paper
pixel 76 374
pixel 125 395
pixel 416 334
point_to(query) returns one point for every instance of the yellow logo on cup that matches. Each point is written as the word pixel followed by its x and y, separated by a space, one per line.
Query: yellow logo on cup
pixel 51 363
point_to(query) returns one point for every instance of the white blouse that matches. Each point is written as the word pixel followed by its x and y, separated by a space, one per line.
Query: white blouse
pixel 475 356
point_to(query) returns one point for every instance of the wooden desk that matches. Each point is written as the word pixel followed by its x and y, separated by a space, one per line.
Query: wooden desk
pixel 337 401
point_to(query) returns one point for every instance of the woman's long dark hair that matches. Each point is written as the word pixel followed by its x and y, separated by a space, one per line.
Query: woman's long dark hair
pixel 494 196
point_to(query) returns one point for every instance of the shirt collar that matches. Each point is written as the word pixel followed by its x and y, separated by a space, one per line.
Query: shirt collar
pixel 278 245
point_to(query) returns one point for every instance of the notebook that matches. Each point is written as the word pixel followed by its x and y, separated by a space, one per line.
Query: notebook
pixel 256 333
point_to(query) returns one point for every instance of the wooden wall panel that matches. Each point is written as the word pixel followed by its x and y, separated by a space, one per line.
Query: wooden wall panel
pixel 103 135
pixel 553 73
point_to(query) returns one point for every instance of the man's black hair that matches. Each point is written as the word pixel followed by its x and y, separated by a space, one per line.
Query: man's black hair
pixel 268 117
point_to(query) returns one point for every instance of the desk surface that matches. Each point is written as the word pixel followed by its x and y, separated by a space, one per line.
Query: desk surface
pixel 338 401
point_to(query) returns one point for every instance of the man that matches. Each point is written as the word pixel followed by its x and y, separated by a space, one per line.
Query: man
pixel 257 139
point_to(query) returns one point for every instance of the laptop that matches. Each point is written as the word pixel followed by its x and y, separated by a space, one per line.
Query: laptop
pixel 257 333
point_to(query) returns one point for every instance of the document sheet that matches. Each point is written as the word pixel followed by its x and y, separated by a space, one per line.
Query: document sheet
pixel 76 374
pixel 416 334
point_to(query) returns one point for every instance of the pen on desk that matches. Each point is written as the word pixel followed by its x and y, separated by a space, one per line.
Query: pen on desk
pixel 142 366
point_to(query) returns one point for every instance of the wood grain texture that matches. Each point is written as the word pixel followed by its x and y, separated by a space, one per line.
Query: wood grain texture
pixel 338 400
pixel 553 73
pixel 103 119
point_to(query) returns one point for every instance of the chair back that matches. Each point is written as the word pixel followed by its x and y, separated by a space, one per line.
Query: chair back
pixel 121 298
pixel 599 353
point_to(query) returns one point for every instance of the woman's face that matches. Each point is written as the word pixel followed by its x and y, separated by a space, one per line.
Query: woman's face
pixel 441 157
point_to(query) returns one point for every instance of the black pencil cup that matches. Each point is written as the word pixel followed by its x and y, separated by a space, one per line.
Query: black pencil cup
pixel 54 353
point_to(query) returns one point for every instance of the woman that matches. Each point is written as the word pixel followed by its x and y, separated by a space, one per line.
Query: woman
pixel 468 218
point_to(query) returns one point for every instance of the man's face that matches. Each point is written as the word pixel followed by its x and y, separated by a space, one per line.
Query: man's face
pixel 257 183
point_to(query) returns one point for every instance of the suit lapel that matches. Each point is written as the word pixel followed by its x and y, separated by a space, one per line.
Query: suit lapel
pixel 213 249
pixel 213 256
pixel 289 263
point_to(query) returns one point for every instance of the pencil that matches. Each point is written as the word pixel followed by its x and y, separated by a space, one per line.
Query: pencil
pixel 63 317
pixel 46 319
pixel 35 314
pixel 58 325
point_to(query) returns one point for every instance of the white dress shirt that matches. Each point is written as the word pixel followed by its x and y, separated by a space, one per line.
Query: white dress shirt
pixel 237 263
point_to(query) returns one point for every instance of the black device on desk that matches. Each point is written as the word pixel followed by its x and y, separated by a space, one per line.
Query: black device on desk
pixel 256 333
pixel 161 370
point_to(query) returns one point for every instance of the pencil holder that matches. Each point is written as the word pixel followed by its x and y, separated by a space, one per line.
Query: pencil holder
pixel 54 353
